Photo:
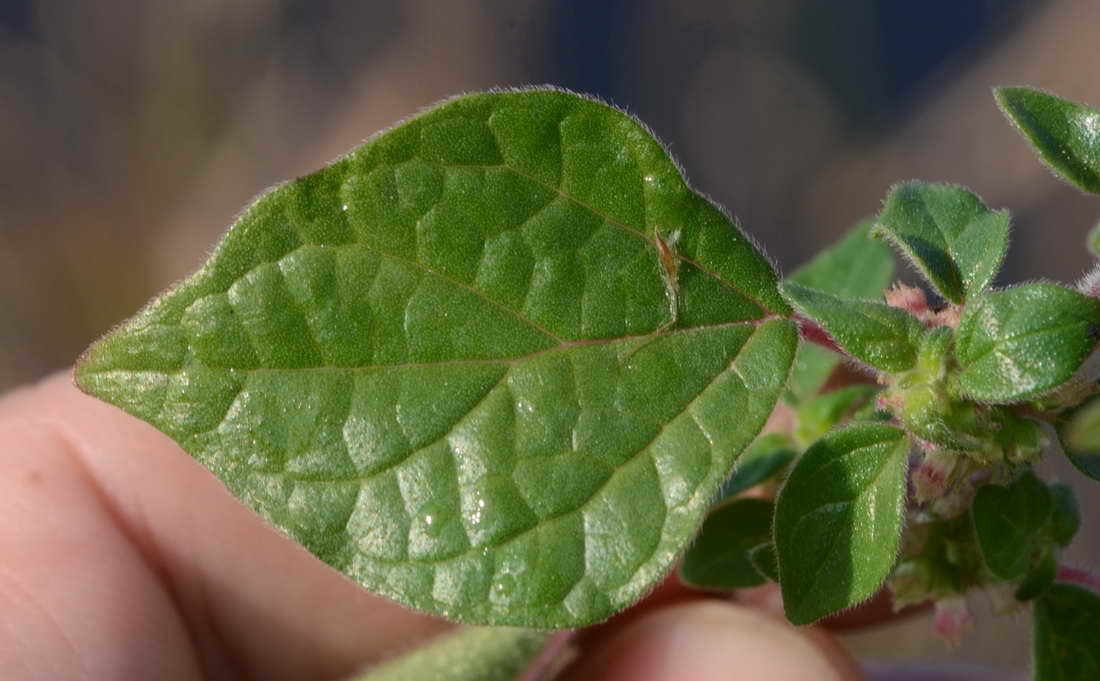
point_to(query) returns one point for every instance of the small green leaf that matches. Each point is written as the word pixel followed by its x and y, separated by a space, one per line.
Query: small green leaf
pixel 824 412
pixel 1093 240
pixel 1008 522
pixel 952 238
pixel 1080 437
pixel 765 457
pixel 719 558
pixel 449 366
pixel 1039 578
pixel 1065 516
pixel 856 266
pixel 1065 642
pixel 763 559
pixel 838 520
pixel 1064 134
pixel 875 333
pixel 1023 341
pixel 474 654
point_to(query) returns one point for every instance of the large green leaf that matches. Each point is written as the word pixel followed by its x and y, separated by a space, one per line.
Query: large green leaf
pixel 838 520
pixel 857 266
pixel 1009 523
pixel 1020 342
pixel 719 558
pixel 948 233
pixel 474 654
pixel 447 364
pixel 1066 135
pixel 882 336
pixel 1066 645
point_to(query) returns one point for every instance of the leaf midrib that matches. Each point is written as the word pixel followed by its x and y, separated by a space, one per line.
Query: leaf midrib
pixel 646 450
pixel 994 346
pixel 845 505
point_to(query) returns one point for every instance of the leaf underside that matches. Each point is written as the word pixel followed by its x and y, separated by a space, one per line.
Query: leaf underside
pixel 447 364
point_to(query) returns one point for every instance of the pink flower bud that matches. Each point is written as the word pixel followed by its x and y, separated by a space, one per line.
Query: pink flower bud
pixel 911 299
pixel 931 477
pixel 952 620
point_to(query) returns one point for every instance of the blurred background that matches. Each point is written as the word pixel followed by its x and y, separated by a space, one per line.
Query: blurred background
pixel 131 133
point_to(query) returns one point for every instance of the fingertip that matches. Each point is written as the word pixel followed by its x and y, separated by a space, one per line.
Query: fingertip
pixel 708 640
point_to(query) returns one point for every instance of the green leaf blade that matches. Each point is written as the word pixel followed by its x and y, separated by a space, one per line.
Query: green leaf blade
pixel 1064 134
pixel 1039 578
pixel 447 364
pixel 881 336
pixel 720 556
pixel 856 266
pixel 762 460
pixel 838 520
pixel 954 240
pixel 1080 438
pixel 764 560
pixel 1066 619
pixel 474 654
pixel 1023 341
pixel 1009 521
pixel 1065 517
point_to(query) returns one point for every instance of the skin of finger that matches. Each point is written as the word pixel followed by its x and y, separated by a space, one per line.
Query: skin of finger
pixel 69 577
pixel 711 640
pixel 250 602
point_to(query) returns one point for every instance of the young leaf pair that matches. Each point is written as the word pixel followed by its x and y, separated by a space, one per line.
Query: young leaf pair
pixel 1010 345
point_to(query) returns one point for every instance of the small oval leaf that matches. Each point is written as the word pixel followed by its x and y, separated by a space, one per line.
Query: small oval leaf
pixel 1065 516
pixel 1009 522
pixel 1018 343
pixel 719 558
pixel 1065 134
pixel 951 237
pixel 763 459
pixel 1080 438
pixel 856 266
pixel 838 520
pixel 449 364
pixel 883 337
pixel 763 559
pixel 1039 578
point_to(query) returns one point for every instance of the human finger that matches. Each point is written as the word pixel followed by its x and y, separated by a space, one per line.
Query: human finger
pixel 711 640
pixel 104 515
